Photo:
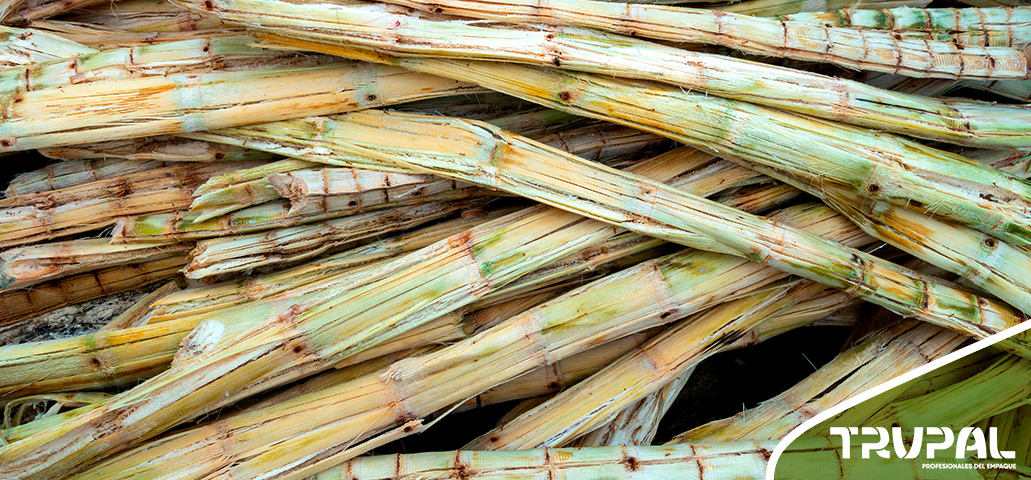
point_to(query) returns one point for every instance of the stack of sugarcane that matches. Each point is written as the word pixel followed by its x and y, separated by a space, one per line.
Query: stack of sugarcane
pixel 291 233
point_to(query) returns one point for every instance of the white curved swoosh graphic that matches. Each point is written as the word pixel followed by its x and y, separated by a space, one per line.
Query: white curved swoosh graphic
pixel 851 402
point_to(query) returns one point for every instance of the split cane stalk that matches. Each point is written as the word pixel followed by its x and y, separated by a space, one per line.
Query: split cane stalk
pixel 639 423
pixel 882 356
pixel 517 165
pixel 231 254
pixel 999 27
pixel 274 215
pixel 732 128
pixel 1014 162
pixel 584 407
pixel 145 16
pixel 23 47
pixel 741 460
pixel 165 148
pixel 771 8
pixel 25 266
pixel 90 206
pixel 199 300
pixel 998 388
pixel 104 38
pixel 189 102
pixel 995 267
pixel 73 173
pixel 1019 90
pixel 357 410
pixel 232 53
pixel 856 48
pixel 553 378
pixel 44 297
pixel 392 297
pixel 375 27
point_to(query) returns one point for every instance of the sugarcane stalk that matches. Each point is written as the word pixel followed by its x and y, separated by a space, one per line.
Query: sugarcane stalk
pixel 19 432
pixel 481 317
pixel 638 423
pixel 21 47
pixel 277 180
pixel 25 266
pixel 993 266
pixel 873 171
pixel 182 225
pixel 998 27
pixel 103 38
pixel 554 377
pixel 926 87
pixel 538 122
pixel 626 249
pixel 178 103
pixel 135 315
pixel 771 8
pixel 222 183
pixel 26 409
pixel 231 199
pixel 952 373
pixel 1014 162
pixel 811 310
pixel 125 355
pixel 527 169
pixel 27 224
pixel 742 460
pixel 595 142
pixel 224 53
pixel 1019 90
pixel 164 148
pixel 954 248
pixel 332 188
pixel 25 11
pixel 992 3
pixel 393 297
pixel 90 206
pixel 145 16
pixel 590 404
pixel 994 390
pixel 486 106
pixel 350 371
pixel 447 329
pixel 233 254
pixel 41 298
pixel 360 186
pixel 583 50
pixel 122 357
pixel 884 355
pixel 856 48
pixel 351 186
pixel 202 299
pixel 360 409
pixel 57 176
pixel 1020 435
pixel 190 175
pixel 16 426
